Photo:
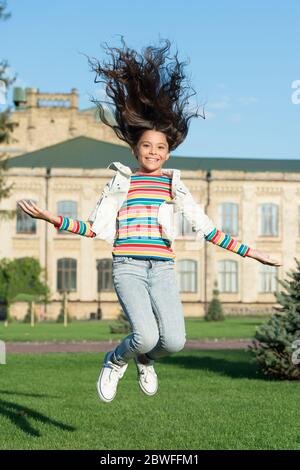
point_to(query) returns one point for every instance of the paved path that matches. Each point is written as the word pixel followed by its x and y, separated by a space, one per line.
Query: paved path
pixel 102 346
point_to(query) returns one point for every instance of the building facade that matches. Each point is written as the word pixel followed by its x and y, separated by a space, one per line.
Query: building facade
pixel 258 202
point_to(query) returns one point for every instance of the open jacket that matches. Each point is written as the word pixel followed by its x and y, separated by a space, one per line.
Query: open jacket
pixel 104 216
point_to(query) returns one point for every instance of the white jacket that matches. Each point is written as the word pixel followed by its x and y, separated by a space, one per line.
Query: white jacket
pixel 104 216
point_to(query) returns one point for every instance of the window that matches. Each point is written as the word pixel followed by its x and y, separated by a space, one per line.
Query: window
pixel 25 223
pixel 66 274
pixel 228 276
pixel 228 213
pixel 67 209
pixel 187 273
pixel 268 219
pixel 268 279
pixel 104 268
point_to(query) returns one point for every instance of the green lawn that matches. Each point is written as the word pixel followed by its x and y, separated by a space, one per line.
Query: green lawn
pixel 206 400
pixel 232 327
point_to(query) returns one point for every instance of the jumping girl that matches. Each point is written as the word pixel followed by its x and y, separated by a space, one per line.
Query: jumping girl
pixel 137 208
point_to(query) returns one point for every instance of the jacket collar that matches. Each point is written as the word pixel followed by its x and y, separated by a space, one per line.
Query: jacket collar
pixel 126 170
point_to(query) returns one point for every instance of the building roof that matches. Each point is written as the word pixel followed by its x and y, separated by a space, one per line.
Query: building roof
pixel 87 153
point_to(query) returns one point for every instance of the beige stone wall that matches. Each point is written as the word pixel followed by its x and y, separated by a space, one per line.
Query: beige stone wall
pixel 84 186
pixel 50 118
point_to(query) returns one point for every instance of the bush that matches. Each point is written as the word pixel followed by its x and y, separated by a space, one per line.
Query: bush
pixel 20 280
pixel 122 325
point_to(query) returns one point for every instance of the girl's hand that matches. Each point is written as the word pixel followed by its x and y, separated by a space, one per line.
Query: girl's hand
pixel 36 213
pixel 262 258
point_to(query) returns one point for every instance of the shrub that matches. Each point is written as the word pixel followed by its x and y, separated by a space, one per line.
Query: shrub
pixel 215 309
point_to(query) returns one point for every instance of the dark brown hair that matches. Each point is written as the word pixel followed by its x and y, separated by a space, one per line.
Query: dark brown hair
pixel 146 93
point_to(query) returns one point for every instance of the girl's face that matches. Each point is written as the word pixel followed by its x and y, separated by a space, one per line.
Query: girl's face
pixel 152 151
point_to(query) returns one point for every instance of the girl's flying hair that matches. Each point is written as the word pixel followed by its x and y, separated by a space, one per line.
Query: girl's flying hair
pixel 146 93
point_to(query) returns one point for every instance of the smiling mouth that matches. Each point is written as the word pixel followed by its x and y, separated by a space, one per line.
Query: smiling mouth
pixel 152 159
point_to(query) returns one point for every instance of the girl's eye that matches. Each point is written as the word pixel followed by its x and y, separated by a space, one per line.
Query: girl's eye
pixel 147 145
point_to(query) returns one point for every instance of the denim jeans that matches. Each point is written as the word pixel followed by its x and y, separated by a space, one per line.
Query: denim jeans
pixel 148 292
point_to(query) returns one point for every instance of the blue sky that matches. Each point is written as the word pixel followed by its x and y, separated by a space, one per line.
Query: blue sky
pixel 244 57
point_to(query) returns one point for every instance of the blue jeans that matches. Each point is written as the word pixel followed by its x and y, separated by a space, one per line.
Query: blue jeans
pixel 149 296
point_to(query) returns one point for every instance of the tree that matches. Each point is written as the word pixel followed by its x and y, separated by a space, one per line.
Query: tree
pixel 3 15
pixel 64 314
pixel 274 341
pixel 6 124
pixel 215 309
pixel 21 277
pixel 31 315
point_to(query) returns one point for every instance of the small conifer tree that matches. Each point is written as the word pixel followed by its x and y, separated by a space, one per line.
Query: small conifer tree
pixel 276 342
pixel 215 309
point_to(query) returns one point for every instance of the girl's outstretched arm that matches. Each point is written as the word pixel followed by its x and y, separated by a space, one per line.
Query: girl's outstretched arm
pixel 229 243
pixel 217 237
pixel 200 221
pixel 60 222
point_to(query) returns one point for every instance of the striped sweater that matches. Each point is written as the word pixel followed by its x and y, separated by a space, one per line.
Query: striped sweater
pixel 138 233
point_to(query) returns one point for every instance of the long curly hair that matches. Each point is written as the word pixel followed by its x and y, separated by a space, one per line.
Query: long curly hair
pixel 146 93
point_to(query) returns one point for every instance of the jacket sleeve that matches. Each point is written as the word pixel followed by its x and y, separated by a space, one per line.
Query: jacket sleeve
pixel 101 214
pixel 81 227
pixel 105 190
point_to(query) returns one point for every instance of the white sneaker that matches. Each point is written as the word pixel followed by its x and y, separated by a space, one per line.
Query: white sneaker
pixel 147 377
pixel 109 377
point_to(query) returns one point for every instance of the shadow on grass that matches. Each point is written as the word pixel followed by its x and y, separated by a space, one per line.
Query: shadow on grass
pixel 23 394
pixel 235 369
pixel 19 415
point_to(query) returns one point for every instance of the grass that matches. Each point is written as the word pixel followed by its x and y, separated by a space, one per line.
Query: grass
pixel 206 400
pixel 197 328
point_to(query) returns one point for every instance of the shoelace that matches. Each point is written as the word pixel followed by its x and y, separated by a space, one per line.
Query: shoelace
pixel 115 369
pixel 147 371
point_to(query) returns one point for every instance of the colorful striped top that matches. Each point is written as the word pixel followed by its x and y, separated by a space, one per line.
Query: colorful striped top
pixel 138 233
